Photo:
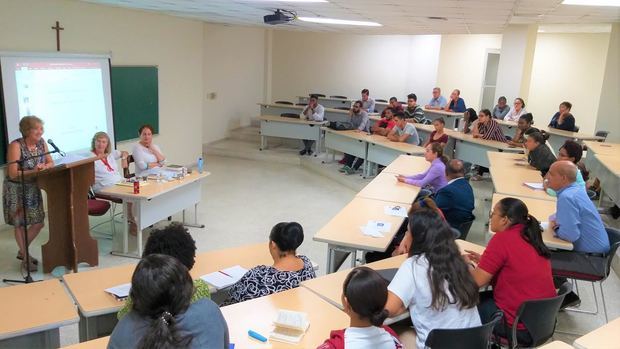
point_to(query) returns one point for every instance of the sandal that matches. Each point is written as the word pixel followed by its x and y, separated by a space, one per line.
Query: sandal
pixel 32 259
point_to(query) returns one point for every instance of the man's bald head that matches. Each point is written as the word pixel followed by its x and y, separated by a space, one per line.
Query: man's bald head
pixel 455 169
pixel 561 174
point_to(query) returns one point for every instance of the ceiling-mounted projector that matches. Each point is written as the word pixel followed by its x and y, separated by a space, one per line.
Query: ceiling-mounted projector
pixel 278 17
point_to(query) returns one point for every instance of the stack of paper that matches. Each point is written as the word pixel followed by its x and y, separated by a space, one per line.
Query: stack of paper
pixel 376 228
pixel 398 211
pixel 225 277
pixel 533 185
pixel 120 291
pixel 290 326
pixel 130 184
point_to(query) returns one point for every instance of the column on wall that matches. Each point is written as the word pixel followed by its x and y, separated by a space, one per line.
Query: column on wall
pixel 515 62
pixel 609 105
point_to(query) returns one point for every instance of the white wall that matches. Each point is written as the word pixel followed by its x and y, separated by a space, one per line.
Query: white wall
pixel 568 67
pixel 609 106
pixel 234 69
pixel 462 62
pixel 343 64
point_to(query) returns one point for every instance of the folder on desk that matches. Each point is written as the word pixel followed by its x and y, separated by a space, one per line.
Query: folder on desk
pixel 225 277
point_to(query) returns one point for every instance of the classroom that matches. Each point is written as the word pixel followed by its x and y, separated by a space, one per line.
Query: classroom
pixel 300 158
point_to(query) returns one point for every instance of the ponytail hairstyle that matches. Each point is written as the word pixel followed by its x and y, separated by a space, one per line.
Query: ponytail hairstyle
pixel 517 213
pixel 437 148
pixel 449 276
pixel 366 292
pixel 528 117
pixel 161 288
pixel 539 137
pixel 287 236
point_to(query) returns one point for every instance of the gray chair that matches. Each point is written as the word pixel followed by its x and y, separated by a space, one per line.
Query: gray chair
pixel 381 100
pixel 284 102
pixel 338 97
pixel 463 338
pixel 317 94
pixel 603 134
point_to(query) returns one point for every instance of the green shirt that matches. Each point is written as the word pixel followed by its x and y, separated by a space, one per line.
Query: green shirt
pixel 201 290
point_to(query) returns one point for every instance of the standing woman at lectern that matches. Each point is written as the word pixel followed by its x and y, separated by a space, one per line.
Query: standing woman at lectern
pixel 30 145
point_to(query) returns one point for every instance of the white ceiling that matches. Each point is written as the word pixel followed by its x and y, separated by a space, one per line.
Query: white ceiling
pixel 396 16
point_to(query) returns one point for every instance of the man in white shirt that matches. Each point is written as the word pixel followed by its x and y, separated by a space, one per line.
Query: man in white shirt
pixel 312 112
pixel 368 104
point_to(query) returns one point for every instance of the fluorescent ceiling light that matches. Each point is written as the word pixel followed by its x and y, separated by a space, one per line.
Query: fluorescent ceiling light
pixel 338 21
pixel 592 2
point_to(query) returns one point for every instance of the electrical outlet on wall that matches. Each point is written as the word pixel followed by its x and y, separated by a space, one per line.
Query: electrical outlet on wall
pixel 211 95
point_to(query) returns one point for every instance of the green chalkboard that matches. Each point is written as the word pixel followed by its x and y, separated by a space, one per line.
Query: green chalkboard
pixel 135 100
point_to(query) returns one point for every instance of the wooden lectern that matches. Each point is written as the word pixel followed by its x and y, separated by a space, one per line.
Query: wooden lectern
pixel 69 241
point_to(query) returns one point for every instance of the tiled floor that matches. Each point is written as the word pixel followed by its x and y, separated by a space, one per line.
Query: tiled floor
pixel 243 199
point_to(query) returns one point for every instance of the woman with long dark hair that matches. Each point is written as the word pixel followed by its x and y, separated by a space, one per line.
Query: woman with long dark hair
pixel 539 154
pixel 515 262
pixel 434 282
pixel 162 315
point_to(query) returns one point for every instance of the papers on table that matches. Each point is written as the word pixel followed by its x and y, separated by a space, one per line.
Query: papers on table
pixel 534 185
pixel 225 277
pixel 290 326
pixel 120 291
pixel 398 211
pixel 544 225
pixel 130 184
pixel 376 228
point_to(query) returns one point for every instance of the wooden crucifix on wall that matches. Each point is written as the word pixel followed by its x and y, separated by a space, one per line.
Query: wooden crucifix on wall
pixel 58 28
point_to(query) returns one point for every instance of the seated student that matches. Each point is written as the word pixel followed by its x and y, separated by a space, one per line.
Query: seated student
pixel 501 108
pixel 578 221
pixel 438 101
pixel 413 111
pixel 288 269
pixel 403 131
pixel 386 124
pixel 395 105
pixel 147 155
pixel 515 262
pixel 434 178
pixel 487 129
pixel 539 155
pixel 437 136
pixel 563 119
pixel 360 122
pixel 515 113
pixel 173 240
pixel 457 104
pixel 364 293
pixel 571 151
pixel 433 283
pixel 162 314
pixel 368 104
pixel 470 121
pixel 312 112
pixel 524 129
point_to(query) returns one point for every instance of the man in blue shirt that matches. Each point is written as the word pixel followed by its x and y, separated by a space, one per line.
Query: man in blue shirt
pixel 438 101
pixel 578 221
pixel 457 104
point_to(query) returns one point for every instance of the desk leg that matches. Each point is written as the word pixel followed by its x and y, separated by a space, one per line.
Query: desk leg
pixel 330 260
pixel 263 143
pixel 195 224
pixel 125 226
pixel 139 232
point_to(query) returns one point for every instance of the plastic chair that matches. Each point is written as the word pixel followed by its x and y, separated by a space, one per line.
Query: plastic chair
pixel 381 100
pixel 302 104
pixel 342 108
pixel 284 102
pixel 115 200
pixel 614 244
pixel 290 115
pixel 603 134
pixel 317 94
pixel 464 228
pixel 539 317
pixel 463 338
pixel 338 97
pixel 576 128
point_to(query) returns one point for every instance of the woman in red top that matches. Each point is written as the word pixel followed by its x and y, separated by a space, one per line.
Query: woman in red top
pixel 515 262
pixel 437 136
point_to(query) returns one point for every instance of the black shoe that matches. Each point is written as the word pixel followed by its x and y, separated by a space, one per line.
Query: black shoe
pixel 309 152
pixel 570 300
pixel 614 211
pixel 302 152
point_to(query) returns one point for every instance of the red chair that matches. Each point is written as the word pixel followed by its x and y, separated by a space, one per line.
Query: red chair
pixel 97 207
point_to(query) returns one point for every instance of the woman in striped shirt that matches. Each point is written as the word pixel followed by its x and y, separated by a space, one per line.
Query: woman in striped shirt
pixel 490 130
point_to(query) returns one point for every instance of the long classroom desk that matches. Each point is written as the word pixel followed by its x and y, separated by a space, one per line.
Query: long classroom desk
pixel 97 309
pixel 605 337
pixel 603 163
pixel 382 151
pixel 540 209
pixel 258 315
pixel 343 234
pixel 407 165
pixel 99 343
pixel 328 102
pixel 33 314
pixel 452 119
pixel 509 171
pixel 277 109
pixel 277 126
pixel 156 202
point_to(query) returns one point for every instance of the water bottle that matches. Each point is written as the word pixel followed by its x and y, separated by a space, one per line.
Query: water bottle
pixel 200 164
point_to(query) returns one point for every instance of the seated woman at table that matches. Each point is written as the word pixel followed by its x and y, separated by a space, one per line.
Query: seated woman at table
pixel 433 283
pixel 524 128
pixel 539 154
pixel 563 119
pixel 515 113
pixel 364 293
pixel 487 129
pixel 516 263
pixel 385 125
pixel 175 241
pixel 437 136
pixel 163 315
pixel 434 178
pixel 470 121
pixel 146 154
pixel 288 269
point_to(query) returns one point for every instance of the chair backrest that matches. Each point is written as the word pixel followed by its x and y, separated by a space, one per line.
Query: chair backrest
pixel 290 115
pixel 381 100
pixel 342 108
pixel 576 128
pixel 317 94
pixel 304 104
pixel 464 229
pixel 539 317
pixel 614 244
pixel 602 133
pixel 284 102
pixel 339 97
pixel 463 338
pixel 126 172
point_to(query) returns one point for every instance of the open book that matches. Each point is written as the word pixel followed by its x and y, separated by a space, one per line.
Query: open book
pixel 225 277
pixel 290 326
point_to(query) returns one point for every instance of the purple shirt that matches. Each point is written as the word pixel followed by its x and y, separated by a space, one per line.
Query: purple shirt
pixel 434 177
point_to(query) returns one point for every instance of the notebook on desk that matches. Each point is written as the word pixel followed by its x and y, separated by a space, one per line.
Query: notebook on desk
pixel 225 277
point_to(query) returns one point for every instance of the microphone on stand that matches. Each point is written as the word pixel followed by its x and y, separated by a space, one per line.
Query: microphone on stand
pixel 51 142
